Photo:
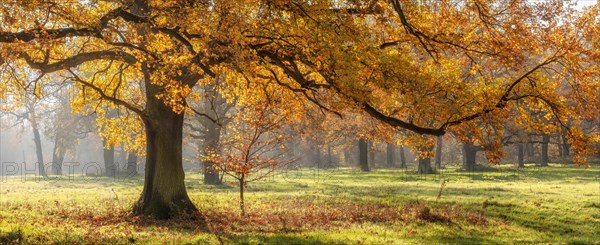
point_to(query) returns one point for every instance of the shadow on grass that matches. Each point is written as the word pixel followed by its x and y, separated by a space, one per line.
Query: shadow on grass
pixel 273 239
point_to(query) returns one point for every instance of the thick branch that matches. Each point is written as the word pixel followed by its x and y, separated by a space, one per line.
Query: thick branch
pixel 28 35
pixel 79 59
pixel 399 123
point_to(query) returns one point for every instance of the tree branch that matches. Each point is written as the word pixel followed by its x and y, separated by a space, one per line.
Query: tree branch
pixel 79 59
pixel 114 100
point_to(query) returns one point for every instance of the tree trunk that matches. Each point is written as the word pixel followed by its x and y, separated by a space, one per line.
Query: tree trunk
pixel 317 161
pixel 371 149
pixel 164 194
pixel 438 153
pixel 560 149
pixel 38 148
pixel 469 156
pixel 529 150
pixel 402 157
pixel 211 146
pixel 390 152
pixel 363 151
pixel 521 155
pixel 242 205
pixel 565 145
pixel 132 164
pixel 109 160
pixel 122 158
pixel 58 156
pixel 329 157
pixel 347 158
pixel 425 166
pixel 544 157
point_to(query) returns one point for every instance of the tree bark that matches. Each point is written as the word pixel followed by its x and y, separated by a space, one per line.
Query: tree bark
pixel 390 152
pixel 242 204
pixel 58 156
pixel 544 155
pixel 211 146
pixel 469 156
pixel 109 161
pixel 363 151
pixel 565 145
pixel 438 153
pixel 402 157
pixel 164 194
pixel 38 148
pixel 132 164
pixel 521 155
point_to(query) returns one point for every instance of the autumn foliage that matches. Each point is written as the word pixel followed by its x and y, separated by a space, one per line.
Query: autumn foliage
pixel 428 67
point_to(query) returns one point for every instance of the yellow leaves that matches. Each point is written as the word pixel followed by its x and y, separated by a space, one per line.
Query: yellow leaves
pixel 126 130
pixel 174 95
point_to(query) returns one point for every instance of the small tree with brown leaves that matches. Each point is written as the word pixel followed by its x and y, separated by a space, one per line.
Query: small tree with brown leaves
pixel 254 147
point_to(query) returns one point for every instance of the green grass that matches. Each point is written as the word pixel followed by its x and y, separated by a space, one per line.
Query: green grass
pixel 553 205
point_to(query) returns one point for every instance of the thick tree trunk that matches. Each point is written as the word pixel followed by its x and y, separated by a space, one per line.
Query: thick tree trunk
pixel 38 149
pixel 521 155
pixel 211 146
pixel 58 156
pixel 402 157
pixel 469 156
pixel 363 151
pixel 164 194
pixel 544 154
pixel 109 161
pixel 438 153
pixel 390 152
pixel 132 164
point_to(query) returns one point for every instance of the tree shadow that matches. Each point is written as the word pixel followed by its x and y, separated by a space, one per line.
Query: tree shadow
pixel 273 239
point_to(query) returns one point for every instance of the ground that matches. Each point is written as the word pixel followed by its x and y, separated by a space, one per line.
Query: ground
pixel 550 205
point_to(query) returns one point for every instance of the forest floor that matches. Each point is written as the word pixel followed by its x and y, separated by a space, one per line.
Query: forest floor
pixel 550 205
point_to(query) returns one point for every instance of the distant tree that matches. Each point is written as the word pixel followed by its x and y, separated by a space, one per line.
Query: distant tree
pixel 29 111
pixel 363 151
pixel 438 152
pixel 390 154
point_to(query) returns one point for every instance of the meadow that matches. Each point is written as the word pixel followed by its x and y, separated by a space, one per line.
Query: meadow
pixel 559 204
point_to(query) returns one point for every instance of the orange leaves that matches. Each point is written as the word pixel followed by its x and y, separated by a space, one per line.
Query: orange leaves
pixel 174 95
pixel 322 56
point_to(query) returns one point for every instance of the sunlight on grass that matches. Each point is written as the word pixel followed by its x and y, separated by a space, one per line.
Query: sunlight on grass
pixel 558 205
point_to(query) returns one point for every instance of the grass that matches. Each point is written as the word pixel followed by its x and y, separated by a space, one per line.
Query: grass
pixel 552 205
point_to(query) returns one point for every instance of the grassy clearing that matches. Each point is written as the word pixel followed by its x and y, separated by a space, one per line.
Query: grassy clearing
pixel 558 205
